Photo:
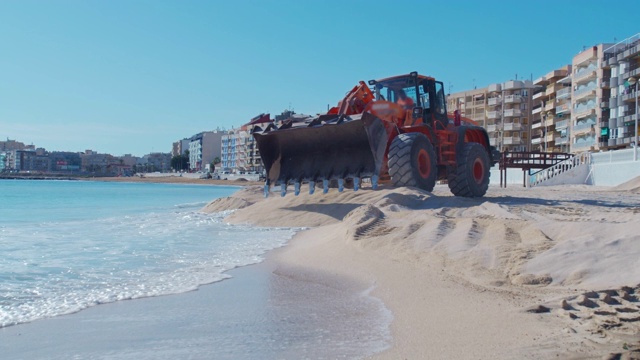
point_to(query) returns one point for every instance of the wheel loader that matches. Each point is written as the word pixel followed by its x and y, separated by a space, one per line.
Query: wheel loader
pixel 375 132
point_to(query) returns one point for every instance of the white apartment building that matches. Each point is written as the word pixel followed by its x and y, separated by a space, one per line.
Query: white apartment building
pixel 239 151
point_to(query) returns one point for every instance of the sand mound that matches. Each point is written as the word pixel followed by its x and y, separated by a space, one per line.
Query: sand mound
pixel 632 185
pixel 523 240
pixel 526 242
pixel 245 197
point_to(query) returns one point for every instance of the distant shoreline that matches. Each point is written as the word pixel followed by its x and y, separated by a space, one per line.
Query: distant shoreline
pixel 169 179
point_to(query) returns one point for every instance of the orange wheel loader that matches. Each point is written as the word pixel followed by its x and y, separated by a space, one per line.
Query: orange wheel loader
pixel 375 132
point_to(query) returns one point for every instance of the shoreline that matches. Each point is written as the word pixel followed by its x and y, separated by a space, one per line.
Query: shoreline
pixel 539 273
pixel 161 179
pixel 475 278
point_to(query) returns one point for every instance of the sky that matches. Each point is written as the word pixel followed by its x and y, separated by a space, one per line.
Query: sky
pixel 132 77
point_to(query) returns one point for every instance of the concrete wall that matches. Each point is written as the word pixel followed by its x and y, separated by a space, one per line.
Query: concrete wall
pixel 514 176
pixel 612 168
pixel 614 174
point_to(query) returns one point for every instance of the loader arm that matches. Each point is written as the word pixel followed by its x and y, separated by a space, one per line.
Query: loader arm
pixel 355 101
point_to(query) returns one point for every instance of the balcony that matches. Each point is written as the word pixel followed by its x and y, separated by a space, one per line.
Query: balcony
pixel 584 111
pixel 492 128
pixel 562 124
pixel 549 122
pixel 551 89
pixel 538 95
pixel 536 141
pixel 512 140
pixel 561 140
pixel 583 145
pixel 512 112
pixel 550 106
pixel 564 108
pixel 493 115
pixel 494 101
pixel 565 92
pixel 510 99
pixel 512 127
pixel 604 84
pixel 583 92
pixel 584 74
pixel 536 125
pixel 536 110
pixel 583 128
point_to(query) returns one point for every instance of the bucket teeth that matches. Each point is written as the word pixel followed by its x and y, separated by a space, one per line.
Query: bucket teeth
pixel 340 185
pixel 296 186
pixel 356 183
pixel 312 187
pixel 374 182
pixel 283 189
pixel 325 186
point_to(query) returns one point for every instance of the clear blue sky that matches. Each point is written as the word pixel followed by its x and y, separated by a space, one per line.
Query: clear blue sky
pixel 131 77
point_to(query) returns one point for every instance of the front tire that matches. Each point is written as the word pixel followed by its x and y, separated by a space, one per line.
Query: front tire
pixel 471 176
pixel 412 161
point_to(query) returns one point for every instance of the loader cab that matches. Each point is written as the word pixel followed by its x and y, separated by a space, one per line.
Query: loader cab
pixel 424 92
pixel 434 103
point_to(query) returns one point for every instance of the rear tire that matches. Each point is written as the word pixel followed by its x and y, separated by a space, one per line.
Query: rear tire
pixel 471 177
pixel 412 161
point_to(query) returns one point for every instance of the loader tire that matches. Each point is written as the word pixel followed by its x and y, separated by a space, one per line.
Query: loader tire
pixel 412 161
pixel 471 176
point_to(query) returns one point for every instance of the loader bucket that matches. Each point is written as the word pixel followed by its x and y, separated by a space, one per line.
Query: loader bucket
pixel 353 147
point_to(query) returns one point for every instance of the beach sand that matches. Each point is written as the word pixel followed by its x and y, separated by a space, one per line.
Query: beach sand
pixel 541 273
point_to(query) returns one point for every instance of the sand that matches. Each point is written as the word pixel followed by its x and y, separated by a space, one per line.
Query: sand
pixel 549 272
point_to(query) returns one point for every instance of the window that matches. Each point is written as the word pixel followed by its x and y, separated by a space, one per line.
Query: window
pixel 440 98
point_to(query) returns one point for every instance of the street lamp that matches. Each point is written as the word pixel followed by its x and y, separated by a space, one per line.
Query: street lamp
pixel 633 81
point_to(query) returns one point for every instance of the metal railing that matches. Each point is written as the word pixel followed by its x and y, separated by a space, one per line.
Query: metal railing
pixel 560 168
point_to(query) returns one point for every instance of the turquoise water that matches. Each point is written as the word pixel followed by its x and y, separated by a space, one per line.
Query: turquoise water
pixel 71 245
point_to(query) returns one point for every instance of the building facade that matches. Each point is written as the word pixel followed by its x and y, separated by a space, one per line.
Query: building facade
pixel 622 62
pixel 204 148
pixel 503 109
pixel 588 105
pixel 551 111
pixel 239 151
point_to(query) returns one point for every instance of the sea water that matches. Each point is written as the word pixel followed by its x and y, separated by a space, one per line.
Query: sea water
pixel 68 245
pixel 71 245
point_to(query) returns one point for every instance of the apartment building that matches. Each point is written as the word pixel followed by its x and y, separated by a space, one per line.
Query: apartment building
pixel 240 152
pixel 551 111
pixel 622 62
pixel 504 109
pixel 590 92
pixel 204 148
pixel 155 161
pixel 471 104
pixel 180 147
pixel 509 115
pixel 64 161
